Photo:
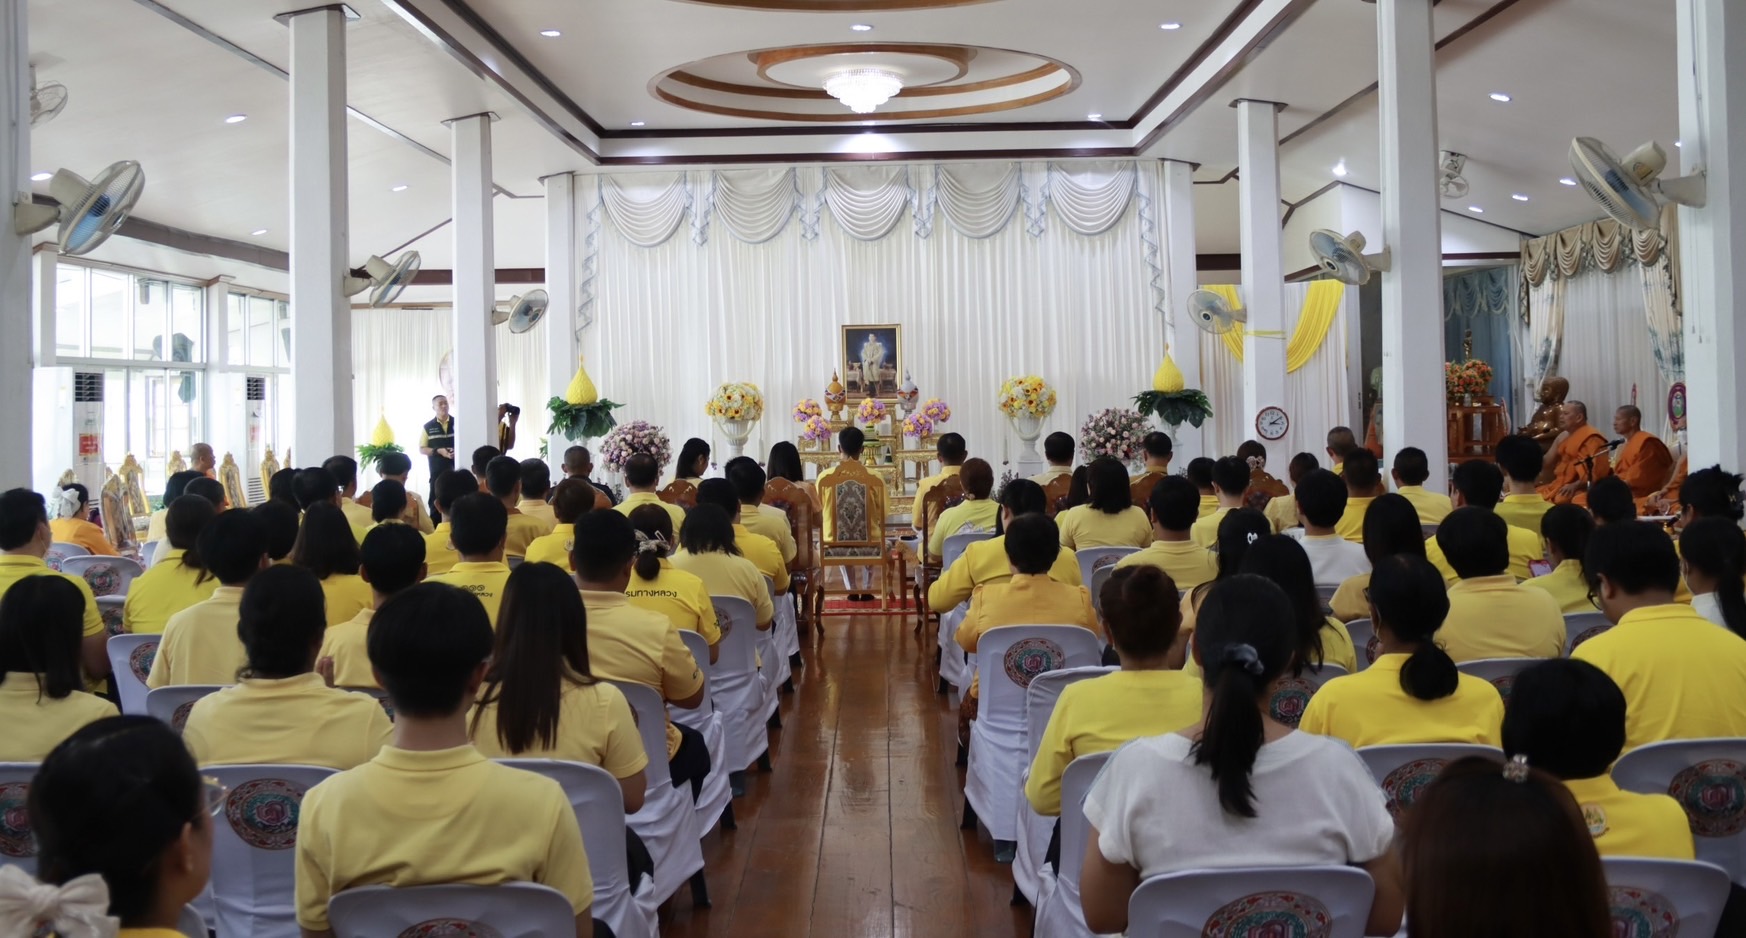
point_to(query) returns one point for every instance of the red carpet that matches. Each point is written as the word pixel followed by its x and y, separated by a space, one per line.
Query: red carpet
pixel 840 606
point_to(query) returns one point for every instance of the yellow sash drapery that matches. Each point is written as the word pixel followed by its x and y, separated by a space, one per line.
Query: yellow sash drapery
pixel 1320 306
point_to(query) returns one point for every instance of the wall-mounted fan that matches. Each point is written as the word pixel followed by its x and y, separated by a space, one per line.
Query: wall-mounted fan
pixel 1450 182
pixel 522 312
pixel 1343 258
pixel 89 212
pixel 384 280
pixel 1213 314
pixel 47 100
pixel 1627 189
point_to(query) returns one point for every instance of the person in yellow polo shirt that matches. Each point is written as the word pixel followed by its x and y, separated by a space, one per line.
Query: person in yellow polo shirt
pixel 1058 453
pixel 748 480
pixel 319 486
pixel 72 525
pixel 1174 504
pixel 439 552
pixel 1363 483
pixel 503 482
pixel 430 808
pixel 345 472
pixel 1200 472
pixel 42 697
pixel 1680 673
pixel 1568 718
pixel 174 487
pixel 709 550
pixel 24 541
pixel 1411 469
pixel 200 644
pixel 1341 444
pixel 760 550
pixel 1412 692
pixel 327 548
pixel 536 486
pixel 391 560
pixel 985 561
pixel 1479 485
pixel 282 522
pixel 1230 482
pixel 1110 519
pixel 479 528
pixel 976 514
pixel 1522 460
pixel 178 580
pixel 280 711
pixel 1490 615
pixel 659 586
pixel 850 443
pixel 395 467
pixel 952 452
pixel 1391 527
pixel 571 499
pixel 642 475
pixel 1321 638
pixel 388 503
pixel 1145 698
pixel 1566 529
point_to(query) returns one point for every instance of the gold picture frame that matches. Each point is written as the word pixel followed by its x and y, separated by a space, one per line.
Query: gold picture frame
pixel 856 344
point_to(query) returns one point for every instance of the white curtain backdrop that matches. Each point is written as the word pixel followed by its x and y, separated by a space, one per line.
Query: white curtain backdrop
pixel 693 279
pixel 1317 396
pixel 1607 349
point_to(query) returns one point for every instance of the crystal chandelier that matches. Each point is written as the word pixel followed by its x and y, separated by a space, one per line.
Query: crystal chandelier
pixel 862 90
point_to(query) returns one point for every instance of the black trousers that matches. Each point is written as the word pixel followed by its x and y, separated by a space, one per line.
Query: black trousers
pixel 638 862
pixel 691 762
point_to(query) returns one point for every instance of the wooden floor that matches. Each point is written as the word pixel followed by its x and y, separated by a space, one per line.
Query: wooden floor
pixel 855 833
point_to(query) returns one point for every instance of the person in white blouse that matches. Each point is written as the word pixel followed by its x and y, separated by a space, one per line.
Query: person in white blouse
pixel 1321 501
pixel 1237 789
pixel 1713 554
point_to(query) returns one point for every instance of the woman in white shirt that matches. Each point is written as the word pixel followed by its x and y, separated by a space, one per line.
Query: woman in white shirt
pixel 1237 789
pixel 1713 553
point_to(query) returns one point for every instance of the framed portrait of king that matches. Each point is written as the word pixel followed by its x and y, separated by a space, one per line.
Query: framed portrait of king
pixel 872 361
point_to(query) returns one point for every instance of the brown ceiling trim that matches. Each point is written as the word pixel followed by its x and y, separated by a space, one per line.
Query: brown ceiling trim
pixel 510 52
pixel 815 94
pixel 1292 207
pixel 441 278
pixel 957 55
pixel 1085 153
pixel 960 127
pixel 181 239
pixel 1219 181
pixel 1201 53
pixel 1218 262
pixel 847 119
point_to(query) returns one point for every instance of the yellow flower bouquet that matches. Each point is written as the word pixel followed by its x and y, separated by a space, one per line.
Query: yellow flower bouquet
pixel 736 400
pixel 1027 396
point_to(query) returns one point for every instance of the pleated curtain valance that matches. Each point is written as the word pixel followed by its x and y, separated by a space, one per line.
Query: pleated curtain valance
pixel 1488 292
pixel 1321 306
pixel 1602 245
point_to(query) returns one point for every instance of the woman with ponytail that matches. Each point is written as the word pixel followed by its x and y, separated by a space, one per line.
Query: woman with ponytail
pixel 1238 788
pixel 1239 529
pixel 1321 638
pixel 659 586
pixel 179 578
pixel 1412 692
pixel 1713 554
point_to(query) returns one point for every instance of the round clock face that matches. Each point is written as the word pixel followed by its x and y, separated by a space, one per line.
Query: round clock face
pixel 1272 423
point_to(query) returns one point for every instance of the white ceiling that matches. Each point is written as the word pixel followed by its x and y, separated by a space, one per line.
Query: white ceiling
pixel 156 87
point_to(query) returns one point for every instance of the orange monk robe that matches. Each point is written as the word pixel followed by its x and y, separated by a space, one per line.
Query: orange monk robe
pixel 1573 465
pixel 1643 462
pixel 1649 505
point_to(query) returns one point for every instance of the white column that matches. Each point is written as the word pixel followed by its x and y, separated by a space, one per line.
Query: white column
pixel 1413 405
pixel 321 315
pixel 51 426
pixel 1263 276
pixel 475 291
pixel 562 347
pixel 1181 278
pixel 16 332
pixel 1712 131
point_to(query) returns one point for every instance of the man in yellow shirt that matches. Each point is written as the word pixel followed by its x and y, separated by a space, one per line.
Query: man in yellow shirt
pixel 748 479
pixel 1172 505
pixel 642 475
pixel 395 467
pixel 392 562
pixel 760 550
pixel 985 561
pixel 1478 485
pixel 976 514
pixel 478 525
pixel 572 499
pixel 174 583
pixel 1521 459
pixel 952 452
pixel 429 808
pixel 1490 615
pixel 200 643
pixel 319 484
pixel 440 555
pixel 1200 472
pixel 1058 450
pixel 536 487
pixel 850 442
pixel 1680 673
pixel 24 541
pixel 1411 468
pixel 503 481
pixel 1363 483
pixel 1568 718
pixel 1281 511
pixel 345 473
pixel 1341 444
pixel 174 487
pixel 282 523
pixel 1567 529
pixel 1230 482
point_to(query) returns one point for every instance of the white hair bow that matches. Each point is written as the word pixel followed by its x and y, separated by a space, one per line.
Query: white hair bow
pixel 78 909
pixel 67 503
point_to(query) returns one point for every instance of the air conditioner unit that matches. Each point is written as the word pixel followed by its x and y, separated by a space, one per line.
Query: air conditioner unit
pixel 87 452
pixel 254 413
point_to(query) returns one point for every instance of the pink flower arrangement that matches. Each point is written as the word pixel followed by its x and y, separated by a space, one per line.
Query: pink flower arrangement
pixel 918 424
pixel 936 410
pixel 816 429
pixel 1116 433
pixel 871 412
pixel 806 409
pixel 628 439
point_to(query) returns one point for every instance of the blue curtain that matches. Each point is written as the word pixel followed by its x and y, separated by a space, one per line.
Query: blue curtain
pixel 1484 302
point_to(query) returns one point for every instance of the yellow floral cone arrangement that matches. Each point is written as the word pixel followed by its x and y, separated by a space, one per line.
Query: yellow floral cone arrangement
pixel 381 443
pixel 581 414
pixel 1170 400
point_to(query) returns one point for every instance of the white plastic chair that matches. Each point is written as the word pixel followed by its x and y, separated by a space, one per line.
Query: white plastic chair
pixel 112 609
pixel 1292 693
pixel 190 924
pixel 1648 896
pixel 1059 914
pixel 785 630
pixel 1099 577
pixel 774 669
pixel 17 843
pixel 735 685
pixel 107 576
pixel 253 860
pixel 512 910
pixel 1092 558
pixel 1364 640
pixel 1325 595
pixel 147 552
pixel 1009 657
pixel 1579 627
pixel 130 660
pixel 1501 672
pixel 1708 778
pixel 955 544
pixel 667 821
pixel 598 801
pixel 59 553
pixel 1034 829
pixel 172 704
pixel 1404 771
pixel 715 797
pixel 1306 900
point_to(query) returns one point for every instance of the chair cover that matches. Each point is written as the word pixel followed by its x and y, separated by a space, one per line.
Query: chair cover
pixel 190 924
pixel 1092 558
pixel 1579 627
pixel 107 576
pixel 1403 771
pixel 1364 640
pixel 253 860
pixel 58 554
pixel 1330 901
pixel 773 644
pixel 1034 828
pixel 667 821
pixel 955 666
pixel 17 844
pixel 1657 897
pixel 736 687
pixel 1058 912
pixel 1291 695
pixel 1009 657
pixel 716 792
pixel 147 551
pixel 1099 577
pixel 1501 672
pixel 512 910
pixel 1708 779
pixel 171 704
pixel 130 660
pixel 1325 595
pixel 598 801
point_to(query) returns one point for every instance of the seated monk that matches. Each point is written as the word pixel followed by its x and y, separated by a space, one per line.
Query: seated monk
pixel 1581 455
pixel 1665 500
pixel 1644 461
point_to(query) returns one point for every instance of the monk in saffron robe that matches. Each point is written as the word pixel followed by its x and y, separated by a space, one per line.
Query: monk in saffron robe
pixel 1665 500
pixel 1644 461
pixel 1581 457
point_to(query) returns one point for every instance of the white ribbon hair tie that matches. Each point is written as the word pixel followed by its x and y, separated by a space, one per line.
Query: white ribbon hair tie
pixel 79 909
pixel 67 503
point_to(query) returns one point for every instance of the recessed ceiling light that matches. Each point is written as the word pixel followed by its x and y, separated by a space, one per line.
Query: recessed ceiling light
pixel 1519 197
pixel 1500 97
pixel 399 188
pixel 1476 210
pixel 1567 181
pixel 550 33
pixel 258 232
pixel 1094 117
pixel 1171 25
pixel 862 27
pixel 41 177
pixel 236 118
pixel 1340 168
pixel 637 123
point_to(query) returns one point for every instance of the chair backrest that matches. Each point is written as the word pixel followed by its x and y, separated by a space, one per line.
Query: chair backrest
pixel 1009 657
pixel 1291 695
pixel 737 651
pixel 1040 697
pixel 1099 577
pixel 1364 640
pixel 147 551
pixel 803 521
pixel 854 523
pixel 1055 494
pixel 59 552
pixel 1075 829
pixel 1501 672
pixel 1325 596
pixel 651 713
pixel 1579 627
pixel 956 544
pixel 130 660
pixel 380 695
pixel 1140 490
pixel 253 860
pixel 108 576
pixel 1092 558
pixel 680 492
pixel 1428 530
pixel 1325 901
pixel 1708 779
pixel 699 648
pixel 171 704
pixel 512 910
pixel 113 611
pixel 1404 771
pixel 513 562
pixel 1672 896
pixel 191 924
pixel 598 801
pixel 17 842
pixel 944 494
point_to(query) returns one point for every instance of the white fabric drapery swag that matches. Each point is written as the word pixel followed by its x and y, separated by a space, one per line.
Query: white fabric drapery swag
pixel 1607 352
pixel 1039 268
pixel 1317 396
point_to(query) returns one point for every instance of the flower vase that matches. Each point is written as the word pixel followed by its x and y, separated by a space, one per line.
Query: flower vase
pixel 1028 428
pixel 737 433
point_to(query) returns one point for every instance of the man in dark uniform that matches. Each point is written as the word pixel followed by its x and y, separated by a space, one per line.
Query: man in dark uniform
pixel 438 444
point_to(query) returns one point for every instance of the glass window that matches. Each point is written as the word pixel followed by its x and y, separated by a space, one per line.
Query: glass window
pixel 150 313
pixel 234 351
pixel 109 314
pixel 70 310
pixel 260 327
pixel 186 328
pixel 282 327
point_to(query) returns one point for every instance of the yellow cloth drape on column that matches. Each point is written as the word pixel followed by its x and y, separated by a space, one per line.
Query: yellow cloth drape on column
pixel 1320 307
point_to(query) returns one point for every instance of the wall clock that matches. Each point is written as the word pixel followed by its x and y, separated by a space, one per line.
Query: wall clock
pixel 1272 423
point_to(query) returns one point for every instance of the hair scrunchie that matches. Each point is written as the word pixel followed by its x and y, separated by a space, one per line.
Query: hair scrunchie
pixel 78 909
pixel 1245 657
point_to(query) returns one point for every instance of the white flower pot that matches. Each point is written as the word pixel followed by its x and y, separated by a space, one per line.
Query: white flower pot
pixel 737 433
pixel 1028 429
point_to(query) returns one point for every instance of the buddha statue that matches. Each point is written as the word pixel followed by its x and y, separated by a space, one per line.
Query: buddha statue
pixel 1547 424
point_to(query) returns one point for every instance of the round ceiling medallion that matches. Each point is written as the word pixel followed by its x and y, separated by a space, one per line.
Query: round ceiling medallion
pixel 854 82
